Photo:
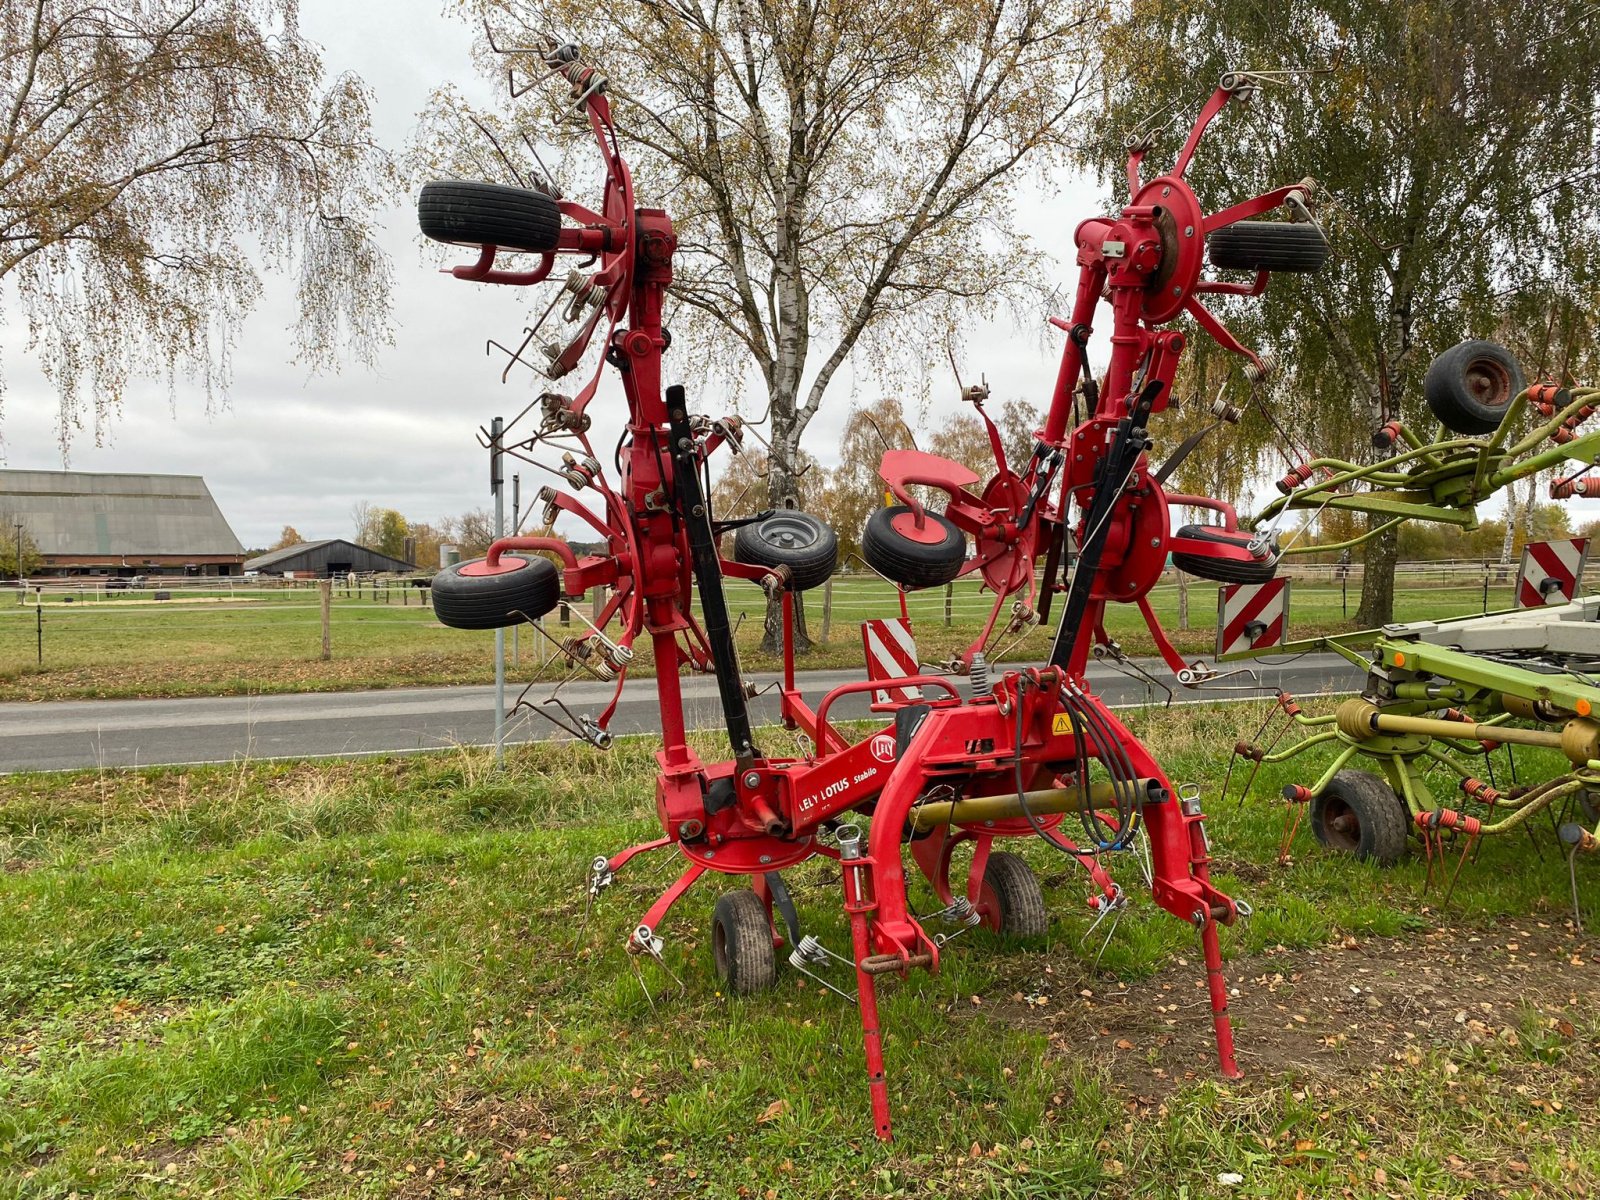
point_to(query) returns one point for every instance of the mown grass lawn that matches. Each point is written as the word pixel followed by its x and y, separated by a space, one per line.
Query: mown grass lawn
pixel 271 641
pixel 374 978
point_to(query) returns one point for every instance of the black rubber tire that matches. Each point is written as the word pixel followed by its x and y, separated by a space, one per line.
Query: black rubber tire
pixel 1470 386
pixel 1221 570
pixel 789 538
pixel 1015 888
pixel 741 943
pixel 465 212
pixel 908 563
pixel 496 601
pixel 1267 246
pixel 1358 813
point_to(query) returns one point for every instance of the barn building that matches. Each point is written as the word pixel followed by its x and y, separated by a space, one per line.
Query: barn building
pixel 329 557
pixel 94 523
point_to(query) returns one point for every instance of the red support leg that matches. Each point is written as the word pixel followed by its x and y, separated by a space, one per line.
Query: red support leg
pixel 1218 987
pixel 856 877
pixel 980 863
pixel 758 884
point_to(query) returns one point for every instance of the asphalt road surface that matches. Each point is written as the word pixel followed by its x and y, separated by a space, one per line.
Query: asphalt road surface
pixel 73 734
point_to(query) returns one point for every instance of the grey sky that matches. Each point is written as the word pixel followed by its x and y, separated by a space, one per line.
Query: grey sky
pixel 292 449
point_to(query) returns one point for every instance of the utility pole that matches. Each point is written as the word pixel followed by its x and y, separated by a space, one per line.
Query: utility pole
pixel 497 489
pixel 516 530
pixel 21 586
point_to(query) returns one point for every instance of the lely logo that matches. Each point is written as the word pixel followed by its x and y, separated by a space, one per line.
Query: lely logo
pixel 883 748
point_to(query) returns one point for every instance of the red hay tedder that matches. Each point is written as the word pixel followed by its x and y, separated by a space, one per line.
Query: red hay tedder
pixel 1005 755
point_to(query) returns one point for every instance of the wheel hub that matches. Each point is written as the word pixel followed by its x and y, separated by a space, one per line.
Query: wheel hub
pixel 787 532
pixel 1489 383
pixel 1344 827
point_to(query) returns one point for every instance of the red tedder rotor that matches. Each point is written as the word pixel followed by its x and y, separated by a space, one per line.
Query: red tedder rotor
pixel 1010 756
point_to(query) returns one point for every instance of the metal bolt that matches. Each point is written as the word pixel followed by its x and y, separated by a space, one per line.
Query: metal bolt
pixel 765 858
pixel 711 853
pixel 1155 543
pixel 1166 191
pixel 751 779
pixel 1188 231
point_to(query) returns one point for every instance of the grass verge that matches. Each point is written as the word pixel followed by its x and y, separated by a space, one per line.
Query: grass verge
pixel 375 978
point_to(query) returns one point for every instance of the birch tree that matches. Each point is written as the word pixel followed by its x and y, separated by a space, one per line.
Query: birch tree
pixel 840 171
pixel 150 153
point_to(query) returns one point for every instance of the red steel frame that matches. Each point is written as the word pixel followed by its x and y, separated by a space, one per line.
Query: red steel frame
pixel 754 814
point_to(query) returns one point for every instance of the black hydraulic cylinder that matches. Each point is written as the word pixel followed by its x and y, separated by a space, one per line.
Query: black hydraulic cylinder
pixel 1130 440
pixel 696 516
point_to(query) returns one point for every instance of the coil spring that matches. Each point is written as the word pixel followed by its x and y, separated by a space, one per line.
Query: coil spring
pixel 1565 489
pixel 563 59
pixel 1224 411
pixel 1263 371
pixel 579 474
pixel 1386 435
pixel 586 293
pixel 1296 477
pixel 583 650
pixel 978 676
pixel 1448 818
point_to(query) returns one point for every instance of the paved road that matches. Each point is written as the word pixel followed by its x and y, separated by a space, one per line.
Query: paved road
pixel 73 734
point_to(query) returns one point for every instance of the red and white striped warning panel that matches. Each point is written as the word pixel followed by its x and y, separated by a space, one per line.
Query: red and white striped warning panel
pixel 1550 572
pixel 891 654
pixel 1252 616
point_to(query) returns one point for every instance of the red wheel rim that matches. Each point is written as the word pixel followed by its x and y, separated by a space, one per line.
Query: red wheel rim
pixel 480 567
pixel 932 532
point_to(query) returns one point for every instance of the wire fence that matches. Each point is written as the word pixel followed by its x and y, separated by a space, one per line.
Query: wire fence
pixel 79 619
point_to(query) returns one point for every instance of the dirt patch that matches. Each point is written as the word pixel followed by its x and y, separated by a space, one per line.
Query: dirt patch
pixel 497 1128
pixel 1335 1011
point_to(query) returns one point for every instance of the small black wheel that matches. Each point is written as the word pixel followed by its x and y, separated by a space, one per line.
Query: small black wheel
pixel 466 596
pixel 897 550
pixel 1013 903
pixel 789 538
pixel 1267 246
pixel 1223 570
pixel 741 943
pixel 1358 813
pixel 1470 386
pixel 468 213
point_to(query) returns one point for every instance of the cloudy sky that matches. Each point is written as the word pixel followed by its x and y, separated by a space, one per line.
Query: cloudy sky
pixel 299 450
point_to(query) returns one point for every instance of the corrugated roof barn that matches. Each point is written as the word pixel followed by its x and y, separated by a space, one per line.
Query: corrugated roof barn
pixel 90 522
pixel 330 556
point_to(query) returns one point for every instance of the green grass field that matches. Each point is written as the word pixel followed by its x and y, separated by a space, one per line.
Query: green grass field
pixel 266 641
pixel 372 978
